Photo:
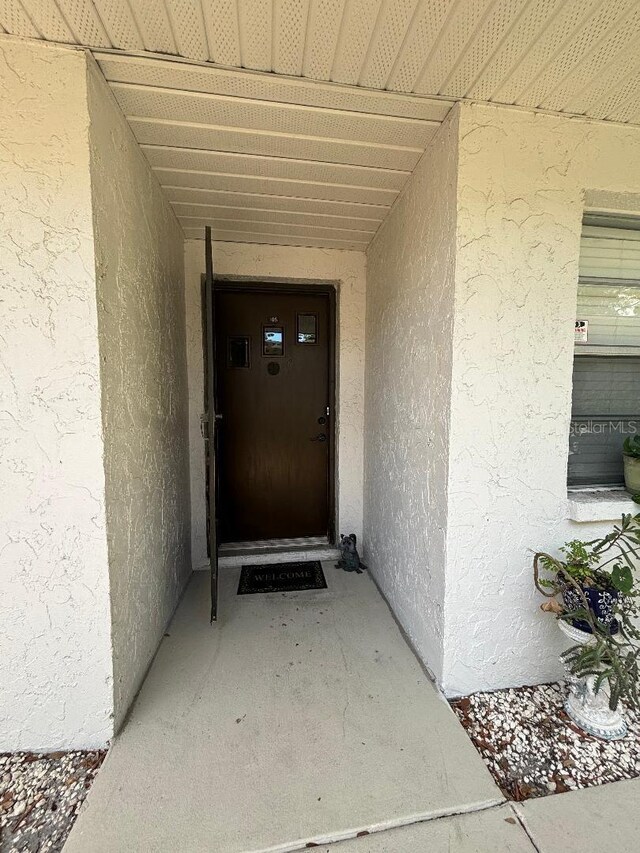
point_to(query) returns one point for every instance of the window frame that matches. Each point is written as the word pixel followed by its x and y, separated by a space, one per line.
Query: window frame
pixel 586 350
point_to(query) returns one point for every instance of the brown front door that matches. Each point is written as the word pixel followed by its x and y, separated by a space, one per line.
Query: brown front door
pixel 273 364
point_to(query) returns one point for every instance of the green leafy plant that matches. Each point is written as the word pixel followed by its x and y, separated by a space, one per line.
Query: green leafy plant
pixel 631 446
pixel 606 565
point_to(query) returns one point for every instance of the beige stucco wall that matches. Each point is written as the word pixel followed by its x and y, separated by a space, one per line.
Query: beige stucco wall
pixel 261 262
pixel 410 298
pixel 55 654
pixel 472 288
pixel 141 325
pixel 524 181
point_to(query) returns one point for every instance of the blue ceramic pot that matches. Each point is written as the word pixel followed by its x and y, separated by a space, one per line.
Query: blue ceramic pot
pixel 601 602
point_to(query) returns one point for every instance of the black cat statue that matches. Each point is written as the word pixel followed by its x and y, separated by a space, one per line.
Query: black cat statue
pixel 349 557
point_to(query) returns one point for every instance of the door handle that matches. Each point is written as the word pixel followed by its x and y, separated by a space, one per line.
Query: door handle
pixel 320 437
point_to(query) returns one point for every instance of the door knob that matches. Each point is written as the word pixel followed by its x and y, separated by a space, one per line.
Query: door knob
pixel 320 437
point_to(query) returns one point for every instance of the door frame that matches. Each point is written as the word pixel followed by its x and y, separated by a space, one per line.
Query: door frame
pixel 228 284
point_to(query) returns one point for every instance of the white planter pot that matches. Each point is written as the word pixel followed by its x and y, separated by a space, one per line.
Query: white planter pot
pixel 632 474
pixel 590 710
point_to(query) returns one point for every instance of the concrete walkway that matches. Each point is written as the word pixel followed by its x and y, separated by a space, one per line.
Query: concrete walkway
pixel 593 820
pixel 299 718
pixel 302 720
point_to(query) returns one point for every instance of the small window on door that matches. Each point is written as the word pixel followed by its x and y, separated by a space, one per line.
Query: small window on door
pixel 239 352
pixel 273 341
pixel 307 329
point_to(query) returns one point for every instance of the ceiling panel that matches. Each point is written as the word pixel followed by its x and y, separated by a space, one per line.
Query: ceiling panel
pixel 255 22
pixel 274 202
pixel 533 18
pixel 290 18
pixel 508 51
pixel 247 141
pixel 576 46
pixel 187 23
pixel 48 20
pixel 595 63
pixel 154 24
pixel 453 38
pixel 540 51
pixel 118 19
pixel 623 102
pixel 632 111
pixel 392 24
pixel 274 186
pixel 85 22
pixel 356 28
pixel 293 229
pixel 200 211
pixel 15 20
pixel 268 87
pixel 292 120
pixel 275 239
pixel 600 98
pixel 419 43
pixel 321 38
pixel 489 35
pixel 273 167
pixel 223 32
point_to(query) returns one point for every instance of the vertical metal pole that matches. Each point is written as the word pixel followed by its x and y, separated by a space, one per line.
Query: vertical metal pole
pixel 211 421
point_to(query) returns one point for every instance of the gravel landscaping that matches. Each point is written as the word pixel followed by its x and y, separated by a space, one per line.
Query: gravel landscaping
pixel 533 749
pixel 40 796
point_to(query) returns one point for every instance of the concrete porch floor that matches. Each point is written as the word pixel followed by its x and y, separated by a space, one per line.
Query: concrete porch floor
pixel 300 717
pixel 304 719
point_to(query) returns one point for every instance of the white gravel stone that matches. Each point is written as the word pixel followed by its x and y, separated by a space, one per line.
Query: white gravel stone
pixel 533 749
pixel 40 796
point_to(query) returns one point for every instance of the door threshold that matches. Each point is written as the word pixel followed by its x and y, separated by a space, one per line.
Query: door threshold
pixel 276 551
pixel 272 546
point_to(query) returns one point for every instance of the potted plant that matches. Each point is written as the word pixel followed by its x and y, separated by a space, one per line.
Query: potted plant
pixel 594 588
pixel 631 459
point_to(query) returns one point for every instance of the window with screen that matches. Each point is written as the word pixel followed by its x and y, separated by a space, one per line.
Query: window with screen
pixel 606 371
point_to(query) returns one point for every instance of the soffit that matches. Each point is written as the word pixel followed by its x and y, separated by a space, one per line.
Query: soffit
pixel 325 106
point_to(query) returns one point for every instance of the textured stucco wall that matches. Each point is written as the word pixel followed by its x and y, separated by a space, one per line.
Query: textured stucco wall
pixel 55 655
pixel 410 298
pixel 523 181
pixel 282 263
pixel 471 298
pixel 140 284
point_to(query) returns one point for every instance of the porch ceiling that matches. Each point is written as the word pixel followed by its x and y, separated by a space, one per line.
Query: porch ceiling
pixel 316 152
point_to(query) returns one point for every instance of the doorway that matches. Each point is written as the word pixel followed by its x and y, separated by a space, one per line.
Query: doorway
pixel 274 371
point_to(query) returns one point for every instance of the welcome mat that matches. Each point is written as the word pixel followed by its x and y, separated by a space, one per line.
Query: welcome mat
pixel 281 577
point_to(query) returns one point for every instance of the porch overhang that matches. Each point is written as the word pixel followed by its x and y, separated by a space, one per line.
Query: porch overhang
pixel 299 123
